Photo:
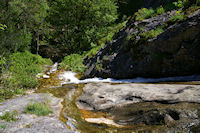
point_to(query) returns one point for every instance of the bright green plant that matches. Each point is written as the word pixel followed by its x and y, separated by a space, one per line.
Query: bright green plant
pixel 160 10
pixel 177 17
pixel 39 109
pixel 2 27
pixel 73 62
pixel 9 116
pixel 24 67
pixel 21 73
pixel 144 13
pixel 181 3
pixel 3 126
pixel 152 33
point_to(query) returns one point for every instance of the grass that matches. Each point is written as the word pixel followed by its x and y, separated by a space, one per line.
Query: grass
pixel 3 126
pixel 39 109
pixel 9 116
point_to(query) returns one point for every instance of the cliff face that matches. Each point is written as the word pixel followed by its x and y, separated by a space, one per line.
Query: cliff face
pixel 174 52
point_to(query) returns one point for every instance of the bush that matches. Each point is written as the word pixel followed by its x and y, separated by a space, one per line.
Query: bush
pixel 160 10
pixel 39 109
pixel 20 74
pixel 24 67
pixel 177 17
pixel 181 3
pixel 73 62
pixel 144 13
pixel 152 33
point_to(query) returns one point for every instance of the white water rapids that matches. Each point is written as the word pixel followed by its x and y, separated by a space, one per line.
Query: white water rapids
pixel 70 78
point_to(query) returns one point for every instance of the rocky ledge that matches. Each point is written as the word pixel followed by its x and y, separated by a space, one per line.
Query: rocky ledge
pixel 174 52
pixel 174 106
pixel 29 123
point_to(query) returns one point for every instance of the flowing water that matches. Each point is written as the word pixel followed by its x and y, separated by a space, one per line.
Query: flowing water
pixel 67 86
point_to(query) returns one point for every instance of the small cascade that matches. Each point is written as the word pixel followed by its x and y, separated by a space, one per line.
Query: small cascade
pixel 70 78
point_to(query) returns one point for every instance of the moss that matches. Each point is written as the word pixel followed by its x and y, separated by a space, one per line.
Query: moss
pixel 39 109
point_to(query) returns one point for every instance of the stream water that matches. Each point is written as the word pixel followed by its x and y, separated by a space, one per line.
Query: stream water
pixel 67 86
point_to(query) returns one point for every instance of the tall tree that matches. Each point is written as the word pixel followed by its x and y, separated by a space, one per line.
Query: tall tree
pixel 77 23
pixel 25 20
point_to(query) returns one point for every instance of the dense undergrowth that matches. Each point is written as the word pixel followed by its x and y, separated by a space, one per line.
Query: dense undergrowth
pixel 19 72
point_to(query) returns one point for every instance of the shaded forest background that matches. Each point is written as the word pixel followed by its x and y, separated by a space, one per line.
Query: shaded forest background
pixel 53 29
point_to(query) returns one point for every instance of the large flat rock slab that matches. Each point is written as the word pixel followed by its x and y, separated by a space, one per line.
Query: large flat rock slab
pixel 28 123
pixel 101 96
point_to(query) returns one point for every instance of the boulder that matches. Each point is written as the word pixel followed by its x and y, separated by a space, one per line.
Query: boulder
pixel 174 52
pixel 103 96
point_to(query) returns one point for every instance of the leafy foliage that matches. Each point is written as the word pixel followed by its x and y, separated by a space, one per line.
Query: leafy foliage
pixel 177 17
pixel 74 63
pixel 78 24
pixel 152 33
pixel 2 27
pixel 181 3
pixel 160 10
pixel 21 73
pixel 144 13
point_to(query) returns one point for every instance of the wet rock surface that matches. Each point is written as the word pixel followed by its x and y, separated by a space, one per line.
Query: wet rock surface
pixel 28 123
pixel 176 107
pixel 101 96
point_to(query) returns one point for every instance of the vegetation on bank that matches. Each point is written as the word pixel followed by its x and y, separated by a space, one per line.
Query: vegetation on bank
pixel 18 72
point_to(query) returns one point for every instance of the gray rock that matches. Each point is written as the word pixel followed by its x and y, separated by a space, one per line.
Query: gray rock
pixel 28 123
pixel 175 52
pixel 101 96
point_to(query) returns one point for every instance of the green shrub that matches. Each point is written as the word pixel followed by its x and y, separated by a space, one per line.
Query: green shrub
pixel 144 13
pixel 20 74
pixel 73 62
pixel 160 10
pixel 9 116
pixel 39 109
pixel 24 67
pixel 93 52
pixel 152 33
pixel 177 17
pixel 181 3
